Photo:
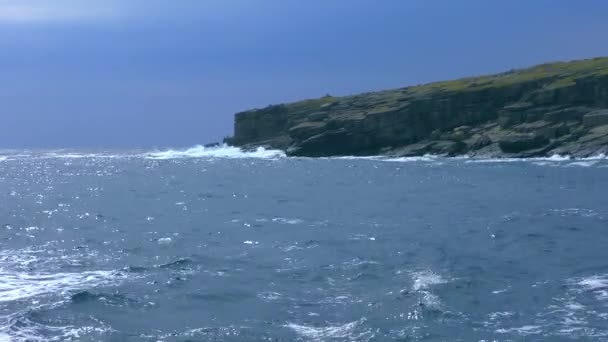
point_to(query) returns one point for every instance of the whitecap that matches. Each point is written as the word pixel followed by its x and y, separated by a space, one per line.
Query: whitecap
pixel 291 248
pixel 283 220
pixel 494 160
pixel 594 283
pixel 17 286
pixel 425 279
pixel 583 212
pixel 223 151
pixel 501 314
pixel 269 296
pixel 524 330
pixel 586 163
pixel 345 331
pixel 429 299
pixel 425 158
pixel 164 241
pixel 79 155
pixel 500 291
pixel 355 157
pixel 600 156
pixel 555 157
pixel 355 263
pixel 19 328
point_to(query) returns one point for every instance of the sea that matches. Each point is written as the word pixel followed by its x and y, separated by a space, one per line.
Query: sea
pixel 216 244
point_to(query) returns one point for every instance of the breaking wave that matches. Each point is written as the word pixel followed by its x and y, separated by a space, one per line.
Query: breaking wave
pixel 18 286
pixel 231 152
pixel 556 158
pixel 349 331
pixel 223 151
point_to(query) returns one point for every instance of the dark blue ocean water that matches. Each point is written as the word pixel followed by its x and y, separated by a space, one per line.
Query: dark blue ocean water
pixel 219 245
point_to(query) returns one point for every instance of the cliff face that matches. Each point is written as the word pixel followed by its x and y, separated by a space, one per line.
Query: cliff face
pixel 558 108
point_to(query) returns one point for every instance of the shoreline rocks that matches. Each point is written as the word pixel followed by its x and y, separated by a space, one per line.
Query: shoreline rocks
pixel 557 108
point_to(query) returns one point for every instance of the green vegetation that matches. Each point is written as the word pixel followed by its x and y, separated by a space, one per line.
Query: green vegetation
pixel 534 111
pixel 553 75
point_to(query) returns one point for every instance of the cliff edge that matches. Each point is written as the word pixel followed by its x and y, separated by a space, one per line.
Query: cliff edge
pixel 555 108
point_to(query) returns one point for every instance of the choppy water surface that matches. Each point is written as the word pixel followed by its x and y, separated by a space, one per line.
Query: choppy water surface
pixel 216 245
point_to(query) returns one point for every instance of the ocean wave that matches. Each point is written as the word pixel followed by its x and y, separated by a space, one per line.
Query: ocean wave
pixel 582 212
pixel 554 160
pixel 75 155
pixel 346 331
pixel 585 163
pixel 18 286
pixel 425 158
pixel 22 329
pixel 223 151
pixel 423 280
pixel 383 158
pixel 596 284
pixel 231 152
pixel 523 330
pixel 283 220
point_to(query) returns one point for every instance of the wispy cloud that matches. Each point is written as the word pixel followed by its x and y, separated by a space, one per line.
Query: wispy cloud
pixel 24 11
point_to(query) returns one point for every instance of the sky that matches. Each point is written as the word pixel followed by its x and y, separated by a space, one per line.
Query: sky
pixel 167 73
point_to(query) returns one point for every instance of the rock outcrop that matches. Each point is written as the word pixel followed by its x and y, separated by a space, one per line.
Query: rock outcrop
pixel 547 109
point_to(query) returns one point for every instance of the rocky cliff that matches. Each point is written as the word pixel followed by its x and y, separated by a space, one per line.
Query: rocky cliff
pixel 556 108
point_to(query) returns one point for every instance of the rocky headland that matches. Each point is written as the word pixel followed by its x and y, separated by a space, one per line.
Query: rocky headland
pixel 555 108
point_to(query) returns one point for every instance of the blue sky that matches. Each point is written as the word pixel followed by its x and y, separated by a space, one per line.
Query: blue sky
pixel 160 73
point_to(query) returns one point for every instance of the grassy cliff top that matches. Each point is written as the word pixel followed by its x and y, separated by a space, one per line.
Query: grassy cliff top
pixel 551 75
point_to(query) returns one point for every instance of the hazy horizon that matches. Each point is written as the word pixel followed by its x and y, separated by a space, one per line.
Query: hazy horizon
pixel 119 74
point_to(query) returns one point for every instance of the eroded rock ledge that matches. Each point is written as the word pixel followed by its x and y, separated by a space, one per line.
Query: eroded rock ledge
pixel 556 108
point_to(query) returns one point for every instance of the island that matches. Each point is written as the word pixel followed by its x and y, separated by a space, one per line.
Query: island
pixel 550 109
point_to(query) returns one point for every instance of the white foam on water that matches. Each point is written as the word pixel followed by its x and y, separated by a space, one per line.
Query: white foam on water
pixel 284 220
pixel 552 160
pixel 79 155
pixel 356 262
pixel 586 163
pixel 524 330
pixel 500 291
pixel 291 248
pixel 270 296
pixel 355 157
pixel 425 158
pixel 347 332
pixel 557 157
pixel 576 212
pixel 164 241
pixel 223 151
pixel 546 163
pixel 601 156
pixel 3 158
pixel 430 299
pixel 423 280
pixel 18 286
pixel 494 160
pixel 595 283
pixel 501 314
pixel 18 328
